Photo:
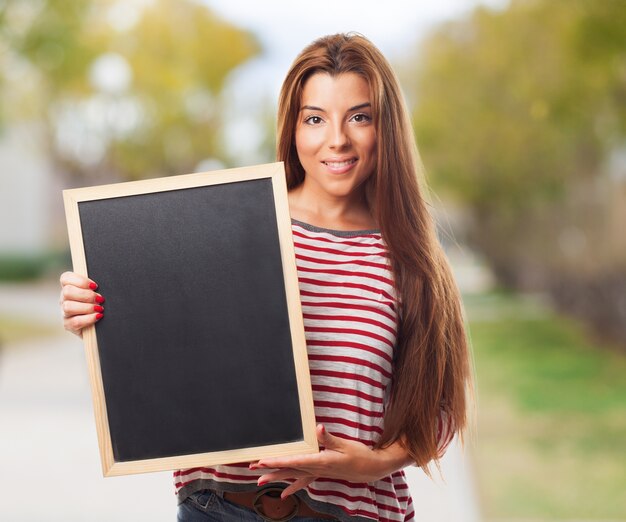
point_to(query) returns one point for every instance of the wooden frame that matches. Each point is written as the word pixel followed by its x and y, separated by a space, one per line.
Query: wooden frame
pixel 164 187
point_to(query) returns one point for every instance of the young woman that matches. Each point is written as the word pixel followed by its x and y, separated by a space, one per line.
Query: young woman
pixel 388 353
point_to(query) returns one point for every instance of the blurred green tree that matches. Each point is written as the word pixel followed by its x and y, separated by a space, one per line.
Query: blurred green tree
pixel 520 118
pixel 125 89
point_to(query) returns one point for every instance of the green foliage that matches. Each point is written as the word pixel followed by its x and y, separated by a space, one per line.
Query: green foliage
pixel 180 55
pixel 164 121
pixel 57 42
pixel 550 415
pixel 513 104
pixel 24 267
pixel 518 114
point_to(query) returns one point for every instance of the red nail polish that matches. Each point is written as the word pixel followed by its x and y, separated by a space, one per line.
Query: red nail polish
pixel 98 308
pixel 99 316
pixel 93 286
pixel 99 299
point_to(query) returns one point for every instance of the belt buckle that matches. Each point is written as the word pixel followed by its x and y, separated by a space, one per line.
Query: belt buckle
pixel 274 492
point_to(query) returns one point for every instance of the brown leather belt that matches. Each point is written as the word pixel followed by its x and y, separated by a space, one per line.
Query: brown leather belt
pixel 267 503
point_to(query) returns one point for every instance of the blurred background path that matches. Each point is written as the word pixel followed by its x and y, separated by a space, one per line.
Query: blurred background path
pixel 49 460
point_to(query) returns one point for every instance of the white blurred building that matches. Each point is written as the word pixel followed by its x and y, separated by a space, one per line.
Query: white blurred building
pixel 30 201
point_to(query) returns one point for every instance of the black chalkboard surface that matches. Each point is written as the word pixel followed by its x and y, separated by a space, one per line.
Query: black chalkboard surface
pixel 200 358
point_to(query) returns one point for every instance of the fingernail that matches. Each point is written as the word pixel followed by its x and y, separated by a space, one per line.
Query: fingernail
pixel 261 483
pixel 99 299
pixel 98 308
pixel 99 316
pixel 93 286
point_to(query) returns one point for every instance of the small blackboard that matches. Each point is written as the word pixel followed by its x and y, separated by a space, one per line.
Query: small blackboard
pixel 200 358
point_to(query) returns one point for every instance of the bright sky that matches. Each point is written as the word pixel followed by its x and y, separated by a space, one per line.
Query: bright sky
pixel 284 27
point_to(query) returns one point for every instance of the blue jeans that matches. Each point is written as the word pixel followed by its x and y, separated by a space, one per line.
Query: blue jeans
pixel 205 506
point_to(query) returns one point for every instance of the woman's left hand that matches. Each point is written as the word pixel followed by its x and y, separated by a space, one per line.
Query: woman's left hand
pixel 339 459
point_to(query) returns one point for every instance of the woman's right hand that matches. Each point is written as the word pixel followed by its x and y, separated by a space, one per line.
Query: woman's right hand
pixel 80 303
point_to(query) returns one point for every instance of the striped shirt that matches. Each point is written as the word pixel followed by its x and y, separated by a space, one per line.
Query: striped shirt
pixel 350 310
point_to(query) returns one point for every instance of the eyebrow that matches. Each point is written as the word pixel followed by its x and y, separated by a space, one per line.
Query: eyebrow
pixel 355 108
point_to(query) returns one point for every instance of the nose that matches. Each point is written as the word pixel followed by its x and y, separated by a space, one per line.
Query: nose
pixel 338 138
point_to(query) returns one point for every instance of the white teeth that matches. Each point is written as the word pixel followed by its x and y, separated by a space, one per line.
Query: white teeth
pixel 339 164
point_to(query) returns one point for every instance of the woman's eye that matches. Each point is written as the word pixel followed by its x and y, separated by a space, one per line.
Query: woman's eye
pixel 361 118
pixel 313 120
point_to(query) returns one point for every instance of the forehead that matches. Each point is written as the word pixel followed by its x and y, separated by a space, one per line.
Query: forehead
pixel 326 91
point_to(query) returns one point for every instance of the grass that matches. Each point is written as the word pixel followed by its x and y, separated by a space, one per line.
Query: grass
pixel 551 441
pixel 14 330
pixel 28 267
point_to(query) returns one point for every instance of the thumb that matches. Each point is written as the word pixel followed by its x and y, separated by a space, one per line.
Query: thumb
pixel 326 439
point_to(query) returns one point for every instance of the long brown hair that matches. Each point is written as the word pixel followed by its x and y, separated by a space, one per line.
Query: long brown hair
pixel 431 361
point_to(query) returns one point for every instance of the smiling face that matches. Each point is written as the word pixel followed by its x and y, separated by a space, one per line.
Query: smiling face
pixel 335 135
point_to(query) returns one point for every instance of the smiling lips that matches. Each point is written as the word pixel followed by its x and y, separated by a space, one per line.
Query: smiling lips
pixel 340 167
